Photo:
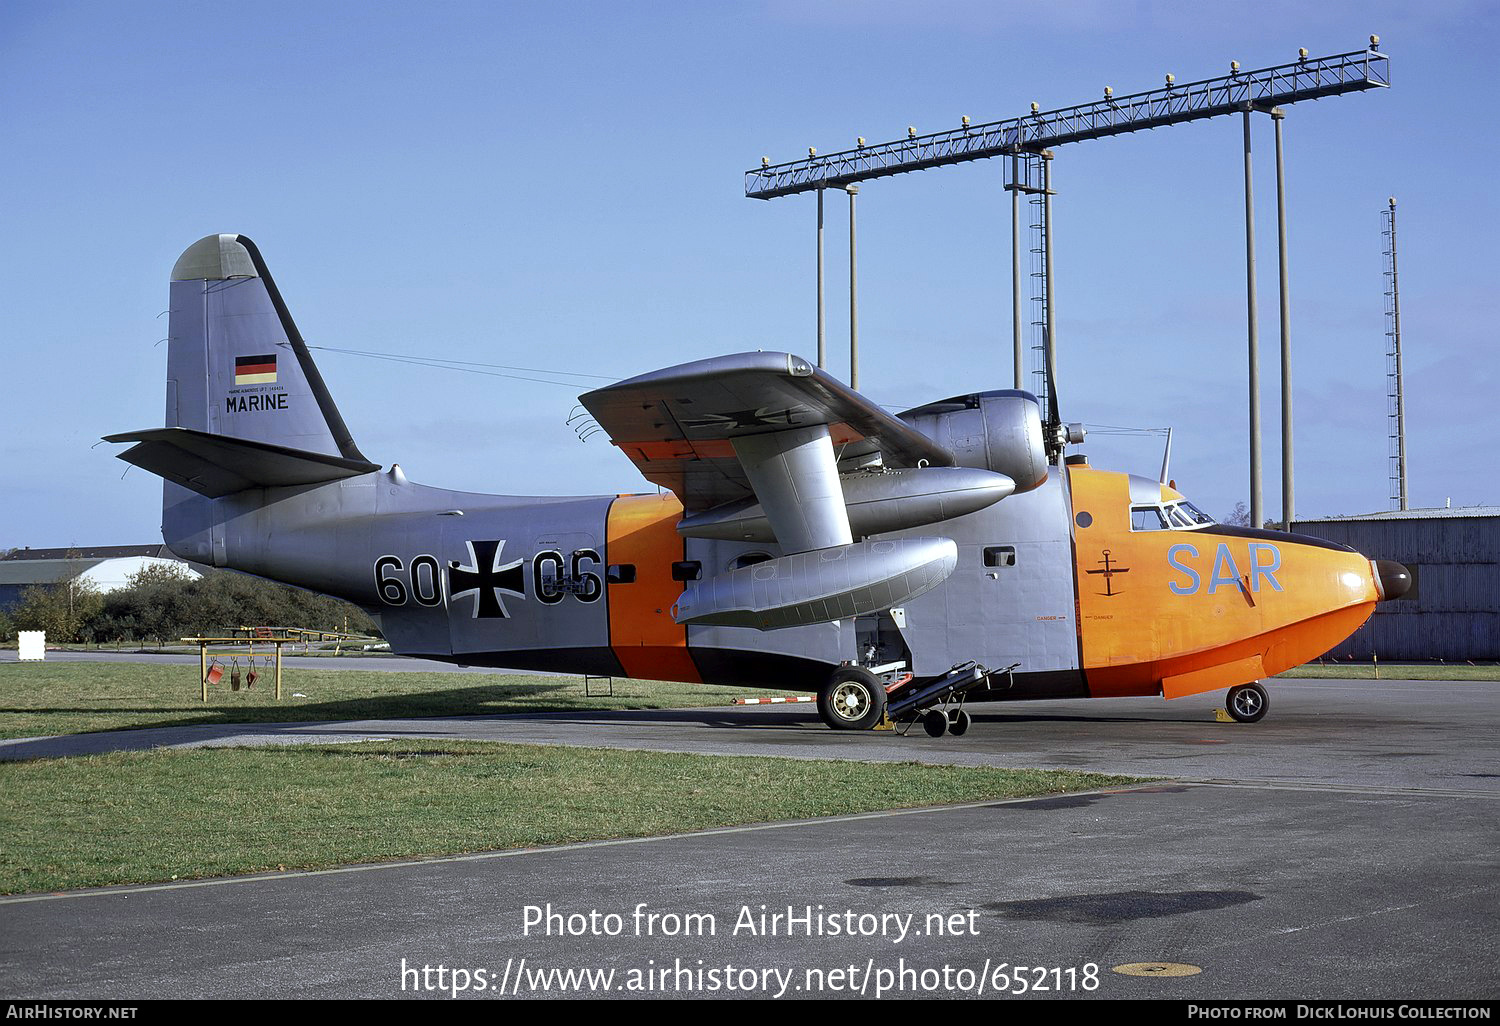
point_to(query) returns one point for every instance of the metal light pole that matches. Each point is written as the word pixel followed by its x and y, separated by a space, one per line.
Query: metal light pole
pixel 1049 336
pixel 822 355
pixel 1015 266
pixel 853 190
pixel 1287 505
pixel 1256 518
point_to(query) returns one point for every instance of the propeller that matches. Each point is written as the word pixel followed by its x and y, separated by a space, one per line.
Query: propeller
pixel 1057 434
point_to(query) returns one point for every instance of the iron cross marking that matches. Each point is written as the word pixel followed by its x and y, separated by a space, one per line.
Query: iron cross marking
pixel 766 416
pixel 1109 572
pixel 485 579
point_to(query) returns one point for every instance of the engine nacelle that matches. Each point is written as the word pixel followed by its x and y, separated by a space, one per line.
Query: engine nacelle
pixel 877 502
pixel 999 431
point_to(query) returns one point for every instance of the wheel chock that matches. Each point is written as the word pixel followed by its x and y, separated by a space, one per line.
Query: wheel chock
pixel 1222 716
pixel 885 723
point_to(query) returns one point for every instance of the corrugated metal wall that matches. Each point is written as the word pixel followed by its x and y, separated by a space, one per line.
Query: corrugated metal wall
pixel 1455 615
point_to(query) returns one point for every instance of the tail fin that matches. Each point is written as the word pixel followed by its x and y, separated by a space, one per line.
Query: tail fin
pixel 246 406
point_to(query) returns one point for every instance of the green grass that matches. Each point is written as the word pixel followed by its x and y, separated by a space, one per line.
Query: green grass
pixel 1396 671
pixel 134 817
pixel 70 698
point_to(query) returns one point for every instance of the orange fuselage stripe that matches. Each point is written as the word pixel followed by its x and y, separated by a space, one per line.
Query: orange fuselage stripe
pixel 642 531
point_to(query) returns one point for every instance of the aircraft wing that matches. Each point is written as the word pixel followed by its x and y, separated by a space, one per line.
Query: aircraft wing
pixel 680 425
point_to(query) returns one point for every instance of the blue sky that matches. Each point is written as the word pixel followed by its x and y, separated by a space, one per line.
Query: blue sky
pixel 559 186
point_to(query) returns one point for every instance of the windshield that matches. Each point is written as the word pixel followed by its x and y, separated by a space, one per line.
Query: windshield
pixel 1173 516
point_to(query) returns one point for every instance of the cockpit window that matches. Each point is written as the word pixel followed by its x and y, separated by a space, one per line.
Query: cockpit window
pixel 1147 518
pixel 1195 514
pixel 1174 516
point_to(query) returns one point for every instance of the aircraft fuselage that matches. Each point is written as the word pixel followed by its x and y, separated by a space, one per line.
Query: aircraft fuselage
pixel 1086 584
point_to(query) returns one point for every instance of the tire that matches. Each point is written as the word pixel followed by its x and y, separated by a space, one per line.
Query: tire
pixel 853 699
pixel 1248 702
pixel 935 722
pixel 959 722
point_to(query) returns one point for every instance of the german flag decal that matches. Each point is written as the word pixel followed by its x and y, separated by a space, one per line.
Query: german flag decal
pixel 255 370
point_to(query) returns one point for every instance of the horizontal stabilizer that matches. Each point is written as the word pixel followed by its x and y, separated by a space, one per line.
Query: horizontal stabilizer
pixel 216 465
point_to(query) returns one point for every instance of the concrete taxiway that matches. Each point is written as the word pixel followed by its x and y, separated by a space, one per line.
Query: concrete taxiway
pixel 1347 849
pixel 1438 735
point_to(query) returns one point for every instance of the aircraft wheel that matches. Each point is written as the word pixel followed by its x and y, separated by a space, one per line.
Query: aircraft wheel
pixel 959 722
pixel 853 699
pixel 1248 702
pixel 935 722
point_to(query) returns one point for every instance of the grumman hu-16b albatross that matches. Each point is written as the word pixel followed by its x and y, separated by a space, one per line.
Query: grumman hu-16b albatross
pixel 802 538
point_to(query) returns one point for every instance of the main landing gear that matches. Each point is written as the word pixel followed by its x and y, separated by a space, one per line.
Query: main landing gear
pixel 1248 702
pixel 853 699
pixel 856 699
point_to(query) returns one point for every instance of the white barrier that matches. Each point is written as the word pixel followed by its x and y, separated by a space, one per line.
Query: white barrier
pixel 32 645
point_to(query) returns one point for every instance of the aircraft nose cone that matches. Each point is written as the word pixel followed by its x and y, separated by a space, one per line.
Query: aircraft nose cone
pixel 1395 579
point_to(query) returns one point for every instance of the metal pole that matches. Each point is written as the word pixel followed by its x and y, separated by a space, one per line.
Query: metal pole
pixel 1015 266
pixel 1049 333
pixel 1396 342
pixel 1256 518
pixel 1287 502
pixel 203 666
pixel 822 354
pixel 853 191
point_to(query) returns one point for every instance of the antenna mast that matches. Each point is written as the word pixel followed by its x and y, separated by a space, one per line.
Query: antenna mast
pixel 1395 396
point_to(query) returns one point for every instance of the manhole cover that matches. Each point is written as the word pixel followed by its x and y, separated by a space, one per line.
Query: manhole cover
pixel 1158 969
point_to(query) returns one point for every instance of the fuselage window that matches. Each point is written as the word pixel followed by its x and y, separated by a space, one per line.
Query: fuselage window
pixel 1147 518
pixel 621 573
pixel 999 555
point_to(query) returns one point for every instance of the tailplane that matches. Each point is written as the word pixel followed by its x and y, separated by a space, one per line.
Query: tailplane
pixel 217 465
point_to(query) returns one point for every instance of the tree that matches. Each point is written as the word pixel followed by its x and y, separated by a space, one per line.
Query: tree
pixel 164 603
pixel 64 610
pixel 1240 517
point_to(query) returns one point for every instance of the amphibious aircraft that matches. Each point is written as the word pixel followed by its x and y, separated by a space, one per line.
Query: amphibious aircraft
pixel 801 537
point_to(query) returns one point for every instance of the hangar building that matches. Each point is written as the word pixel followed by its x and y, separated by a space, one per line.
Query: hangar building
pixel 1452 612
pixel 106 567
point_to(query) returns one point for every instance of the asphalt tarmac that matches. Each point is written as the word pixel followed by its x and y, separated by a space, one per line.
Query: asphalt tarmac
pixel 1344 847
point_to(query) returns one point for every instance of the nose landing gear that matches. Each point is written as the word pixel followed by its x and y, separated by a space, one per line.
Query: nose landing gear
pixel 1248 702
